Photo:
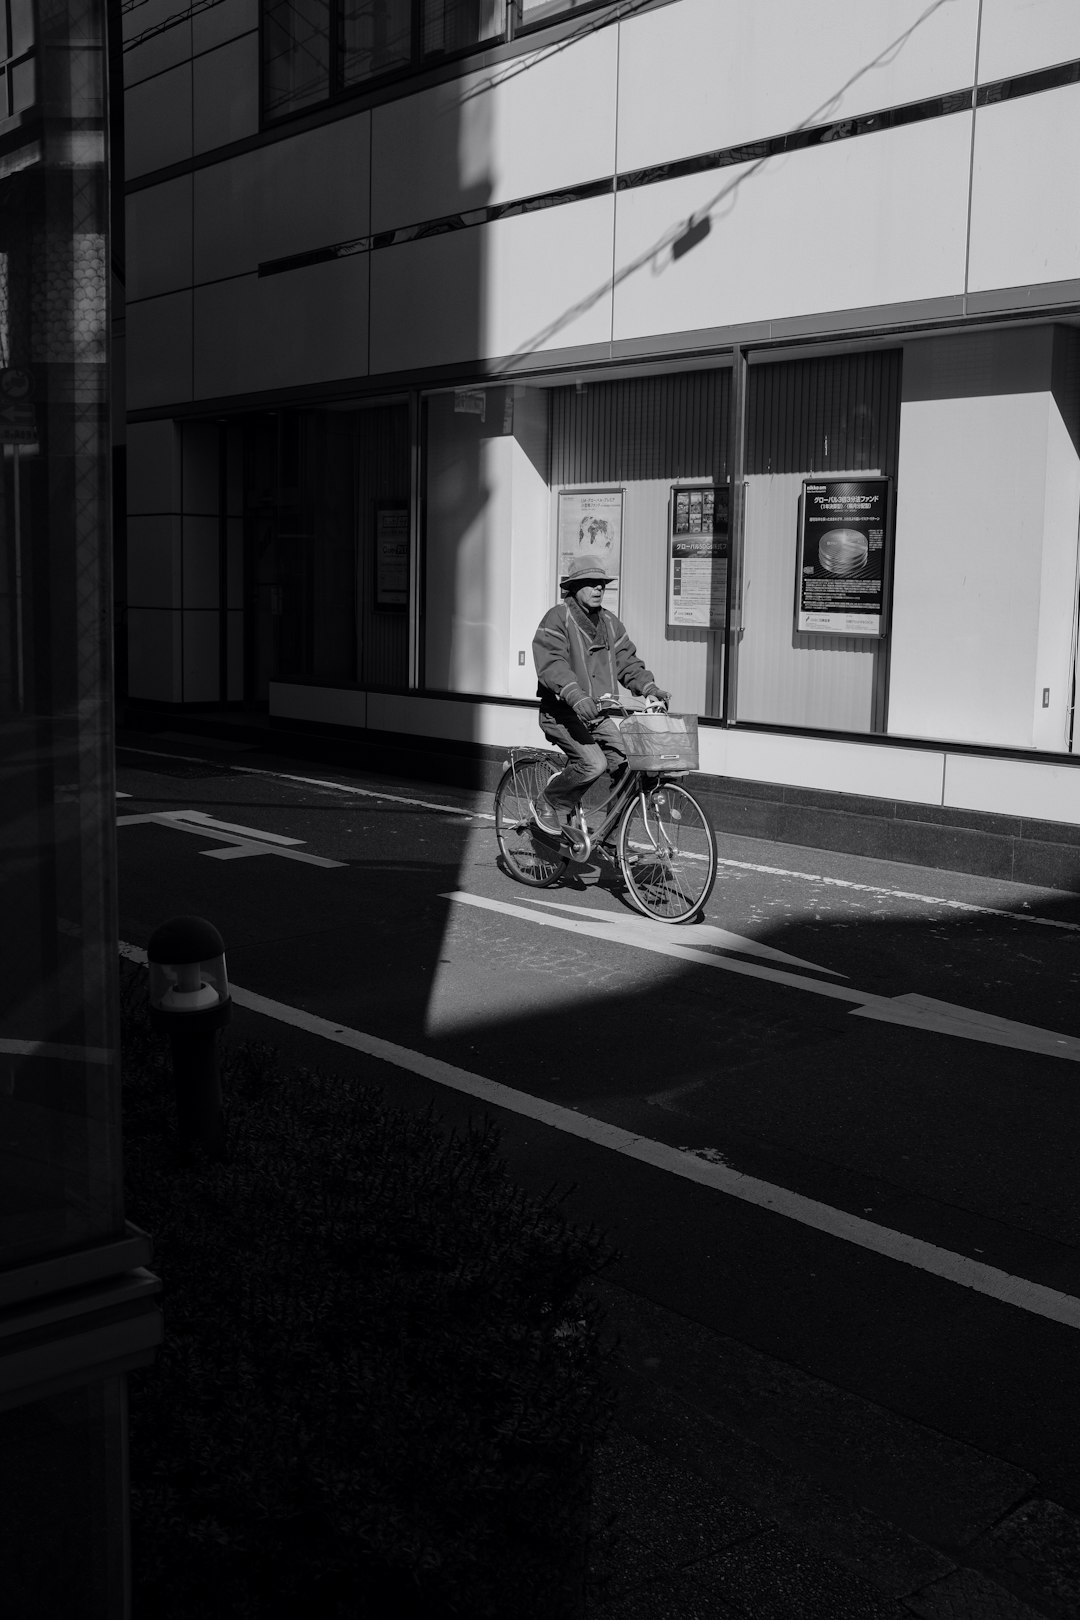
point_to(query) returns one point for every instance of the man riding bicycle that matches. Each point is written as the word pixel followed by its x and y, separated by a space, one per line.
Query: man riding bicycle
pixel 582 653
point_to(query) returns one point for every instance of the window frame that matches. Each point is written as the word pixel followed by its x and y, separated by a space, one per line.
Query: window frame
pixel 418 66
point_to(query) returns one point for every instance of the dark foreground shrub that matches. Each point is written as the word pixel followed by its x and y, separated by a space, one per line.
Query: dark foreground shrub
pixel 381 1383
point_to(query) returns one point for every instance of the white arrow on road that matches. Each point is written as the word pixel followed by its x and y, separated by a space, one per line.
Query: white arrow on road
pixel 914 1011
pixel 241 841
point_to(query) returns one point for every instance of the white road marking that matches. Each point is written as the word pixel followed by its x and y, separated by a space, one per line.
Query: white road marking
pixel 960 1269
pixel 53 1049
pixel 203 820
pixel 700 933
pixel 458 812
pixel 940 1018
pixel 242 841
pixel 903 894
pixel 452 810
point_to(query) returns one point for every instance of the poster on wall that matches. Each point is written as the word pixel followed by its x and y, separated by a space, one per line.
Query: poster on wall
pixel 590 523
pixel 391 555
pixel 698 550
pixel 843 556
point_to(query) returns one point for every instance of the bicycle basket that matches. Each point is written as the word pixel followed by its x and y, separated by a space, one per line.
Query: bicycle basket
pixel 660 743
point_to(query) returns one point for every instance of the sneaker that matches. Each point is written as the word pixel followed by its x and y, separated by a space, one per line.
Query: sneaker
pixel 544 817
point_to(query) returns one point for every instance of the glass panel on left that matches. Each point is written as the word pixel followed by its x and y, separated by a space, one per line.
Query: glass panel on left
pixel 59 1089
pixel 376 37
pixel 296 54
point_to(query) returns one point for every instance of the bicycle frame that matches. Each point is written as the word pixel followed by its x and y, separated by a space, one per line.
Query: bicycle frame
pixel 634 784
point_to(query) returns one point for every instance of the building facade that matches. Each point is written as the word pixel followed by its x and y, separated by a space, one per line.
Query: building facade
pixel 777 304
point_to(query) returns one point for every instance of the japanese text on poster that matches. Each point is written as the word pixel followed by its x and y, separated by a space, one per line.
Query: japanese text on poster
pixel 842 556
pixel 391 556
pixel 698 549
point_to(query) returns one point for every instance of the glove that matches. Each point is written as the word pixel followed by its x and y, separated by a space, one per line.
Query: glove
pixel 587 709
pixel 660 695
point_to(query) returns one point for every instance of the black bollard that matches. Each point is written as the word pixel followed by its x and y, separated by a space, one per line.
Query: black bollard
pixel 190 1002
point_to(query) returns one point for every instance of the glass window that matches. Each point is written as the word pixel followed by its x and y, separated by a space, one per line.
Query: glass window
pixel 455 25
pixel 300 540
pixel 538 11
pixel 825 417
pixel 313 49
pixel 296 45
pixel 376 37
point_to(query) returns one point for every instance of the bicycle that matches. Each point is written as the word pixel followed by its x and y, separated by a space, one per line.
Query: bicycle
pixel 663 844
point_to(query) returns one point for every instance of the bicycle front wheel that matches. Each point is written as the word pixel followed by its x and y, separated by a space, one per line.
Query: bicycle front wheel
pixel 529 855
pixel 667 853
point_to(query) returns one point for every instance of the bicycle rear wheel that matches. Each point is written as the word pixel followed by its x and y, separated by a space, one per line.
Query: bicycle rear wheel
pixel 667 853
pixel 529 855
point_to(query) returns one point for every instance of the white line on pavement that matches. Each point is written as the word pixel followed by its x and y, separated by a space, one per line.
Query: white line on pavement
pixel 239 847
pixel 458 812
pixel 903 894
pixel 916 1012
pixel 928 1257
pixel 619 923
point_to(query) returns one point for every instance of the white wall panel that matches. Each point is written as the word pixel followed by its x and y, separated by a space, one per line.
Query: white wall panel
pixel 157 122
pixel 700 75
pixel 493 725
pixel 153 644
pixel 1012 787
pixel 1019 35
pixel 306 192
pixel 158 239
pixel 968 559
pixel 153 561
pixel 159 351
pixel 875 220
pixel 201 654
pixel 281 331
pixel 1057 589
pixel 911 775
pixel 468 546
pixel 1025 205
pixel 153 467
pixel 226 93
pixel 531 561
pixel 522 285
pixel 533 124
pixel 327 705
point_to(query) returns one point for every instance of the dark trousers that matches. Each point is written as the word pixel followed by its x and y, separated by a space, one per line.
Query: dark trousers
pixel 589 752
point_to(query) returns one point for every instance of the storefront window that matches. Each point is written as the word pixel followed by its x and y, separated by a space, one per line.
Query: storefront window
pixel 507 469
pixel 320 487
pixel 829 417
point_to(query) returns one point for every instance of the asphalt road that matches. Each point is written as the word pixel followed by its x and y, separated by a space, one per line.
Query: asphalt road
pixel 894 1047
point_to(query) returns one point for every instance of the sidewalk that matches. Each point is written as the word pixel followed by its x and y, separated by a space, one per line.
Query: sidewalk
pixel 735 1487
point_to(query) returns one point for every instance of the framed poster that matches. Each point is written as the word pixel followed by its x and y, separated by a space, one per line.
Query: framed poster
pixel 843 556
pixel 590 523
pixel 391 555
pixel 698 548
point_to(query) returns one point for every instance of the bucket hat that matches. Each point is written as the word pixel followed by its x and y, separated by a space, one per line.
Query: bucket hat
pixel 588 567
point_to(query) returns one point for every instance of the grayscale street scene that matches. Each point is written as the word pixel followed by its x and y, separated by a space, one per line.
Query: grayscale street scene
pixel 539 810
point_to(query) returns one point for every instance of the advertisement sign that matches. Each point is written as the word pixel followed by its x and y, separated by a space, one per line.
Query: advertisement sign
pixel 391 555
pixel 698 550
pixel 590 522
pixel 843 552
